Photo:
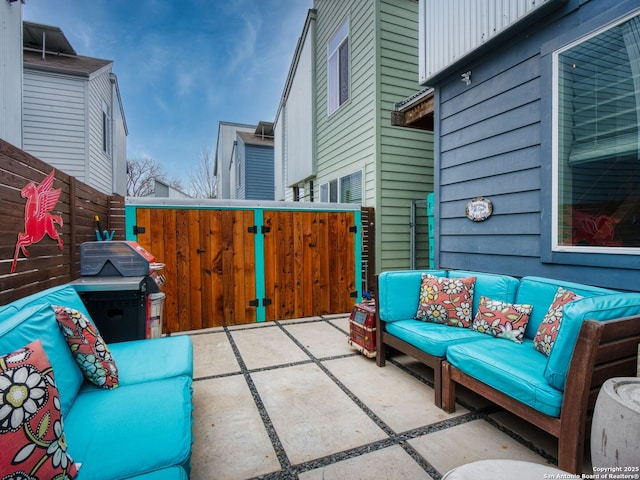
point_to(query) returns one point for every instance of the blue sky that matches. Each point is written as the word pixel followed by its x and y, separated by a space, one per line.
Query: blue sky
pixel 184 65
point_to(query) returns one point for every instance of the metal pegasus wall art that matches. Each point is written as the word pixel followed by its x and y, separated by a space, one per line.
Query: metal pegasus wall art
pixel 37 220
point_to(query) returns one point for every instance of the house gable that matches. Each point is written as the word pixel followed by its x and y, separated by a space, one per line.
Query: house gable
pixel 73 115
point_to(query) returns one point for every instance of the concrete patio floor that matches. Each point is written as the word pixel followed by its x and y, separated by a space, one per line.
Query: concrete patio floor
pixel 291 399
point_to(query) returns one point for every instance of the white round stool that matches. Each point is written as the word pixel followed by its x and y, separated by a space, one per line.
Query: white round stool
pixel 496 469
pixel 615 430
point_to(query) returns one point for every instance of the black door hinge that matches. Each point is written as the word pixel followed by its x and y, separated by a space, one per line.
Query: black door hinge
pixel 354 294
pixel 265 229
pixel 266 302
pixel 254 303
pixel 253 229
pixel 353 229
pixel 138 230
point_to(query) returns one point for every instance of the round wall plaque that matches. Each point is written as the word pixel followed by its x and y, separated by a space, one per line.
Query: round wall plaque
pixel 479 209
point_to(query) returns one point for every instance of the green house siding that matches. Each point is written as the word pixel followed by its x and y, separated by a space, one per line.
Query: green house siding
pixel 406 155
pixel 396 163
pixel 346 139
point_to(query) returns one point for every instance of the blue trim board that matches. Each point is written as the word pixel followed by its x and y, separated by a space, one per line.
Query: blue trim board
pixel 258 219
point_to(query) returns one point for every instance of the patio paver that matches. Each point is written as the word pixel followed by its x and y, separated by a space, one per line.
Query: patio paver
pixel 291 399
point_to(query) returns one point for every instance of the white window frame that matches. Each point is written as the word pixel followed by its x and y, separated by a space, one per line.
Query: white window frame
pixel 106 128
pixel 340 39
pixel 555 202
pixel 325 188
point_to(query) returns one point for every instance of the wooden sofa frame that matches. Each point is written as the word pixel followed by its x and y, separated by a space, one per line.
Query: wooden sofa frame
pixel 603 350
pixel 383 339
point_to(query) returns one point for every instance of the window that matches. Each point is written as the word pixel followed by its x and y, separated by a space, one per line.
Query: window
pixel 597 144
pixel 106 128
pixel 329 192
pixel 347 189
pixel 338 68
pixel 351 188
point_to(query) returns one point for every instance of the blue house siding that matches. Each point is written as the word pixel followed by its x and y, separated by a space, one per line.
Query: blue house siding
pixel 259 173
pixel 493 139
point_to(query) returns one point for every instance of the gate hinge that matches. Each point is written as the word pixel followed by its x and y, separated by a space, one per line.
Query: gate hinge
pixel 353 229
pixel 266 301
pixel 254 303
pixel 265 229
pixel 138 230
pixel 354 294
pixel 253 229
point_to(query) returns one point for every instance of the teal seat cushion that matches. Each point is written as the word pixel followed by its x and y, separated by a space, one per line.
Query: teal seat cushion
pixel 172 473
pixel 539 292
pixel 19 327
pixel 399 291
pixel 432 338
pixel 513 369
pixel 142 428
pixel 153 359
pixel 601 308
pixel 490 285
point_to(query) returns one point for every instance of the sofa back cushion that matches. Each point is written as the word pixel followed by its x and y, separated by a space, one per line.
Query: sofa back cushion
pixel 491 285
pixel 601 308
pixel 539 292
pixel 63 295
pixel 19 327
pixel 399 291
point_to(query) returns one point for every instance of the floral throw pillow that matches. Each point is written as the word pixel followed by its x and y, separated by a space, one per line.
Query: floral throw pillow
pixel 88 348
pixel 32 440
pixel 548 329
pixel 502 319
pixel 446 300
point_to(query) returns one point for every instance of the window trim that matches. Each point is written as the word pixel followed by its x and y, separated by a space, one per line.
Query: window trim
pixel 337 40
pixel 106 129
pixel 556 248
pixel 338 182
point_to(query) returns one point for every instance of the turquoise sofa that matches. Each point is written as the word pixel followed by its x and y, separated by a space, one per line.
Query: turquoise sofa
pixel 516 375
pixel 142 428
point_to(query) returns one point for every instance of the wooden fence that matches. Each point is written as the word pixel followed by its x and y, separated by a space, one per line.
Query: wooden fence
pixel 78 204
pixel 238 265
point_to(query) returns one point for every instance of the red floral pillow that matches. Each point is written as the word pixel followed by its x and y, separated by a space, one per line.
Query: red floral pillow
pixel 88 348
pixel 502 319
pixel 32 441
pixel 446 300
pixel 548 329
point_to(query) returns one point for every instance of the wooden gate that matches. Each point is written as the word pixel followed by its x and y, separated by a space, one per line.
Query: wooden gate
pixel 209 259
pixel 309 263
pixel 239 266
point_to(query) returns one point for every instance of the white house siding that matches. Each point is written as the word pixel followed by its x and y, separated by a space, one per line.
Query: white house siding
pixel 239 171
pixel 279 172
pixel 119 147
pixel 224 156
pixel 452 30
pixel 346 140
pixel 11 72
pixel 298 153
pixel 54 120
pixel 100 162
pixel 406 155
